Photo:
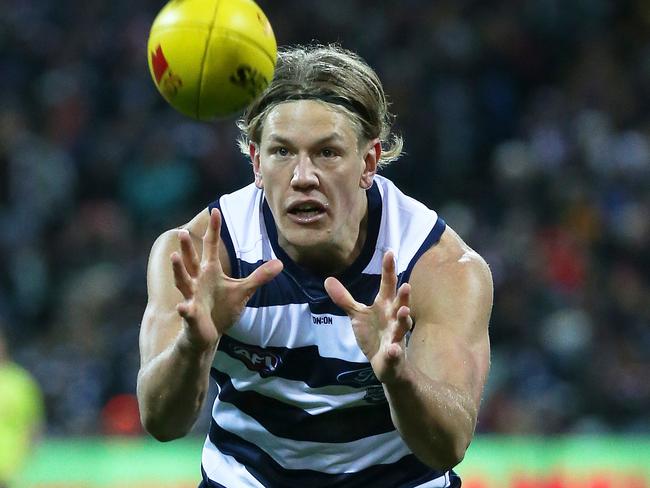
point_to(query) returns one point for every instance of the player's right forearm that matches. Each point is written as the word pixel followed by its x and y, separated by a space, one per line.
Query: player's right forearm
pixel 171 389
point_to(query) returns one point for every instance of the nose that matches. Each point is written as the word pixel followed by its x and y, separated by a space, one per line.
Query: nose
pixel 304 174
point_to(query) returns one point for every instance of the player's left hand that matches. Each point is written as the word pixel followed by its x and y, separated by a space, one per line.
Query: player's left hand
pixel 380 329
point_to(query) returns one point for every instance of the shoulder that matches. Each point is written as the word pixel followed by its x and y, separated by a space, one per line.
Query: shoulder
pixel 239 203
pixel 168 242
pixel 452 253
pixel 408 226
pixel 405 215
pixel 452 271
pixel 392 194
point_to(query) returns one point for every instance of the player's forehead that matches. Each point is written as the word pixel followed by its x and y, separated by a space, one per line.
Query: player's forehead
pixel 306 121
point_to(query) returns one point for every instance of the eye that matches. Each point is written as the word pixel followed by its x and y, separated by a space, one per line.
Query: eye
pixel 281 151
pixel 328 153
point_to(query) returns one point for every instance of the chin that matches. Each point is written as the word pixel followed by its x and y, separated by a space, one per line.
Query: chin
pixel 306 238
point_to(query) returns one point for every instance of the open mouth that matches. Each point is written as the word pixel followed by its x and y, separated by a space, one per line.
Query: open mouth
pixel 306 212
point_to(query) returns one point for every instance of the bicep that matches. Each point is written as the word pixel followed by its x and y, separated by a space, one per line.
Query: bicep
pixel 160 322
pixel 451 305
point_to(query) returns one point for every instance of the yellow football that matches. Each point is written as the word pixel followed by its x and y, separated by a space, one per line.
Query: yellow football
pixel 210 58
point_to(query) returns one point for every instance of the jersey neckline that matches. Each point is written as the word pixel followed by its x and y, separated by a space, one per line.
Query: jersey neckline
pixel 352 272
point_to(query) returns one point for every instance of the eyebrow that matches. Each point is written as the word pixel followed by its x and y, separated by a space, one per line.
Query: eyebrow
pixel 333 137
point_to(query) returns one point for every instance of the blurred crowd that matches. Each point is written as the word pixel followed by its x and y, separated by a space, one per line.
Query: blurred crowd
pixel 527 126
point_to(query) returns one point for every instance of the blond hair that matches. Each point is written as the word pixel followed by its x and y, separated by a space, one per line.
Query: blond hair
pixel 330 74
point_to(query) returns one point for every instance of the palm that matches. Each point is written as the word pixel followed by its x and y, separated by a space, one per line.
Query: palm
pixel 212 300
pixel 380 328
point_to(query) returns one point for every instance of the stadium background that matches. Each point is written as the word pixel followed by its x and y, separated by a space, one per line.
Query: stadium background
pixel 527 126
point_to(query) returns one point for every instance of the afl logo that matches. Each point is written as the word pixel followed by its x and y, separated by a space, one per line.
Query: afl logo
pixel 257 359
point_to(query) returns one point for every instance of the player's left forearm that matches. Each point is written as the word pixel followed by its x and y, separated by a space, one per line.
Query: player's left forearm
pixel 435 419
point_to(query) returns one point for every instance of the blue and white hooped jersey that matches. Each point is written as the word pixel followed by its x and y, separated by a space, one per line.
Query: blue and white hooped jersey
pixel 298 403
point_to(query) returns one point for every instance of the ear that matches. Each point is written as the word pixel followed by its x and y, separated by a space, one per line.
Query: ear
pixel 371 160
pixel 254 152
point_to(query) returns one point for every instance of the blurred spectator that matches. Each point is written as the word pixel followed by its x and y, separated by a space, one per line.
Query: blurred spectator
pixel 121 416
pixel 526 124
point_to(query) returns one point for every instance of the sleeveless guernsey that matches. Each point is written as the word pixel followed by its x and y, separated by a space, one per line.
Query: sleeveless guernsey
pixel 298 403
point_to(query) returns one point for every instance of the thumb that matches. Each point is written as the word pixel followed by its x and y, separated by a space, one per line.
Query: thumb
pixel 340 295
pixel 262 275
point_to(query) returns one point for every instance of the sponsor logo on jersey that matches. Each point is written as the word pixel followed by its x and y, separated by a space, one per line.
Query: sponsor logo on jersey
pixel 375 394
pixel 322 320
pixel 257 359
pixel 358 377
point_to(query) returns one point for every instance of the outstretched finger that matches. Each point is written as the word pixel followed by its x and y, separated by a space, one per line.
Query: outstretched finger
pixel 403 298
pixel 404 323
pixel 341 296
pixel 388 284
pixel 262 275
pixel 212 237
pixel 188 253
pixel 182 278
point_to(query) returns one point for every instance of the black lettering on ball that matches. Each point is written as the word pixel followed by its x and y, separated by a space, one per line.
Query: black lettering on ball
pixel 249 79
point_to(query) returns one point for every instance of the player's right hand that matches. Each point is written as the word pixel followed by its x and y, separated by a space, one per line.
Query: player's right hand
pixel 212 300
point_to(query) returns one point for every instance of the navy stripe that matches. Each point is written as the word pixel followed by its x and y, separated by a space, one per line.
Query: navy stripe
pixel 284 289
pixel 405 473
pixel 455 480
pixel 431 239
pixel 299 364
pixel 352 273
pixel 290 422
pixel 327 307
pixel 235 270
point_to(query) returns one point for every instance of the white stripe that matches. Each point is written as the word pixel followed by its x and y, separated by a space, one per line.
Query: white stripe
pixel 333 458
pixel 291 326
pixel 405 223
pixel 241 214
pixel 225 469
pixel 292 392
